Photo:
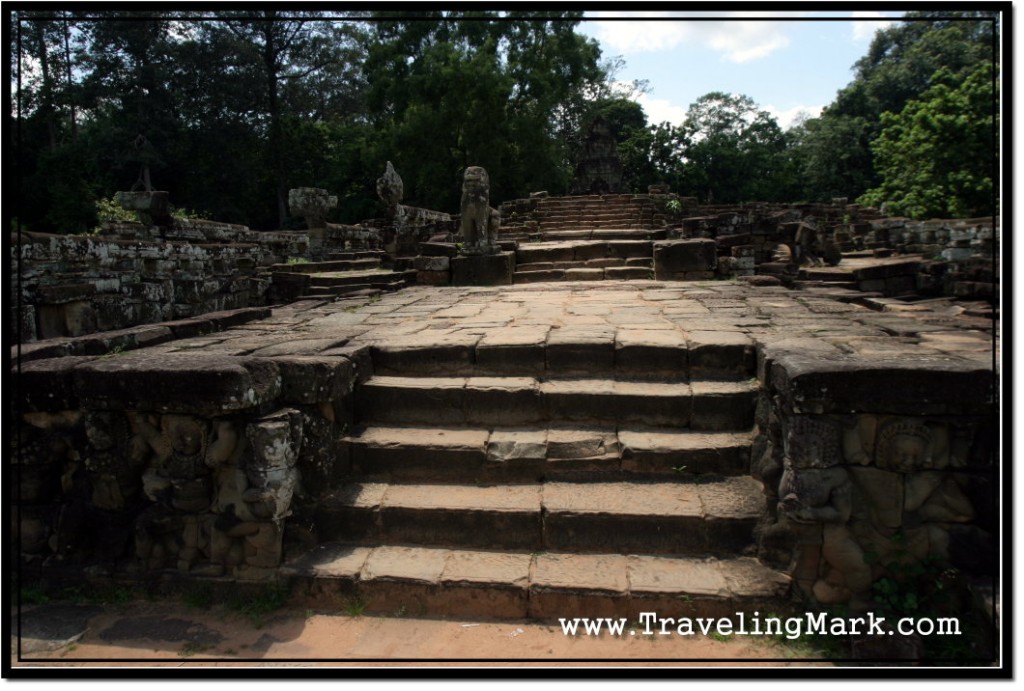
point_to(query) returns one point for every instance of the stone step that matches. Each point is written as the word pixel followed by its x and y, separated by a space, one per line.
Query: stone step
pixel 355 254
pixel 699 405
pixel 703 518
pixel 539 351
pixel 348 264
pixel 360 289
pixel 582 250
pixel 602 263
pixel 498 453
pixel 347 278
pixel 419 581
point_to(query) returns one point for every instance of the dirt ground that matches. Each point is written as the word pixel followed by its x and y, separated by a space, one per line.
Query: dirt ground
pixel 161 634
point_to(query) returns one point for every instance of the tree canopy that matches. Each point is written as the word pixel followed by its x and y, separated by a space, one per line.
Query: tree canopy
pixel 229 109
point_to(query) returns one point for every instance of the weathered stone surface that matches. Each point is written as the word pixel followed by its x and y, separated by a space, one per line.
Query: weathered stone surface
pixel 574 350
pixel 510 446
pixel 672 451
pixel 720 354
pixel 406 563
pixel 185 383
pixel 513 350
pixel 675 256
pixel 649 353
pixel 483 270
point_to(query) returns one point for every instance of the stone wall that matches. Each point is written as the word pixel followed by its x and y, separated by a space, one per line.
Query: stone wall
pixel 71 285
pixel 874 465
pixel 143 462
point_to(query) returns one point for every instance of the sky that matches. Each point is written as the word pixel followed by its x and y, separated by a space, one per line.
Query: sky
pixel 786 62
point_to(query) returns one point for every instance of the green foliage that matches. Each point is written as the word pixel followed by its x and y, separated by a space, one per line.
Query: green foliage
pixel 937 157
pixel 734 151
pixel 109 210
pixel 199 596
pixel 354 607
pixel 836 153
pixel 257 605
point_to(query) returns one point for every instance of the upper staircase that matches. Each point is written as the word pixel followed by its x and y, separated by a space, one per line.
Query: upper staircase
pixel 586 238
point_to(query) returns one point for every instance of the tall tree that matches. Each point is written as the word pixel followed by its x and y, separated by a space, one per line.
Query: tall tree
pixel 286 49
pixel 937 157
pixel 733 150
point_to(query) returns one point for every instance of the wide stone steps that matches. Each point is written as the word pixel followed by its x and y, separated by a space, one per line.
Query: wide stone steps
pixel 517 584
pixel 583 273
pixel 535 453
pixel 698 405
pixel 702 518
pixel 538 472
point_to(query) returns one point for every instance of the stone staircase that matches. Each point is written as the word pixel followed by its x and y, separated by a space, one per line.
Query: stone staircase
pixel 546 478
pixel 344 274
pixel 587 238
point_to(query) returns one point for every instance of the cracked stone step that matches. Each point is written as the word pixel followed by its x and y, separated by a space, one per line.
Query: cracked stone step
pixel 701 405
pixel 535 453
pixel 711 517
pixel 468 583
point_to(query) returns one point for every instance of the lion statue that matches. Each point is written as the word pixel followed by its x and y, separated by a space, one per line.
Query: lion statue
pixel 479 222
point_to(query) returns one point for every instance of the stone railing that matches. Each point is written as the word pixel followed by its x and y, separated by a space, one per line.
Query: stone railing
pixel 873 463
pixel 71 285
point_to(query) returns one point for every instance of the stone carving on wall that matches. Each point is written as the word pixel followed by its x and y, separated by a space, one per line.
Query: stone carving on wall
pixel 860 492
pixel 479 222
pixel 815 490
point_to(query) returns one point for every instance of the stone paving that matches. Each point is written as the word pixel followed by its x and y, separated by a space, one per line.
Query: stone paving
pixel 622 315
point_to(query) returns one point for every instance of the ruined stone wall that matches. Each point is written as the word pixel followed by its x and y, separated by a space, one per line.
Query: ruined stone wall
pixel 142 463
pixel 70 285
pixel 875 469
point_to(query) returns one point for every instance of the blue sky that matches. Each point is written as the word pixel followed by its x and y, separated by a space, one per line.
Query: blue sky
pixel 784 61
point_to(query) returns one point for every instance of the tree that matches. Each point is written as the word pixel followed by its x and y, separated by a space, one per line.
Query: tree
pixel 900 65
pixel 733 150
pixel 284 50
pixel 937 157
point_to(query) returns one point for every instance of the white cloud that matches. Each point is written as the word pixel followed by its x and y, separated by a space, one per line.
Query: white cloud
pixel 738 41
pixel 867 23
pixel 790 117
pixel 661 110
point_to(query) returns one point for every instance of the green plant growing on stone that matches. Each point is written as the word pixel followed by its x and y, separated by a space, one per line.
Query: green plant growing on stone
pixel 910 587
pixel 297 260
pixel 257 606
pixel 354 607
pixel 187 214
pixel 108 210
pixel 199 597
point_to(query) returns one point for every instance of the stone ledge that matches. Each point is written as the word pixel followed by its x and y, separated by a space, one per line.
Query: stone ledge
pixel 205 385
pixel 825 380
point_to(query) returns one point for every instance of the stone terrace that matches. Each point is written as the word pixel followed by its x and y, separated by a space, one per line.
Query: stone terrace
pixel 538 450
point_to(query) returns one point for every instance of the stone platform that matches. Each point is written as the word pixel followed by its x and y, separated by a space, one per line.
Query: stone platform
pixel 533 450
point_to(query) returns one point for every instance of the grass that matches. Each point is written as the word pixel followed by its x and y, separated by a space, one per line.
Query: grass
pixel 257 606
pixel 198 597
pixel 192 648
pixel 354 607
pixel 33 595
